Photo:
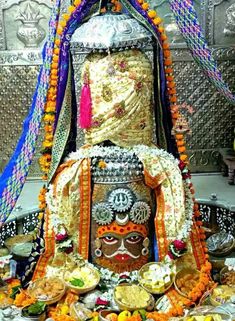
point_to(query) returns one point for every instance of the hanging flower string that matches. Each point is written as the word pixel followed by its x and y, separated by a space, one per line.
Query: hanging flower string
pixel 178 245
pixel 50 106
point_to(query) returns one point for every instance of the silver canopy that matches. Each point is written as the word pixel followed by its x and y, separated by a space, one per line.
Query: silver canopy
pixel 111 31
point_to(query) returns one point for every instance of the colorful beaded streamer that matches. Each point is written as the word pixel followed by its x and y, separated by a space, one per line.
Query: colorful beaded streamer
pixel 15 173
pixel 187 21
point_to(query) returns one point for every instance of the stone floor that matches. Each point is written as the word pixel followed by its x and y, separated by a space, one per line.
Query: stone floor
pixel 207 186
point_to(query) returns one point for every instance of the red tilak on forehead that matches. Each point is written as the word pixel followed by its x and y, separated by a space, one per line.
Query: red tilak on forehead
pixel 122 230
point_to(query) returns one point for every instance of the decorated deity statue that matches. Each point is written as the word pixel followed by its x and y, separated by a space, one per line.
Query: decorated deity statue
pixel 120 200
pixel 124 198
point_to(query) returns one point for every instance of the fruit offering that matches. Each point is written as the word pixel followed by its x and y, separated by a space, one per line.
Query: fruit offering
pixel 82 278
pixel 186 280
pixel 47 288
pixel 156 277
pixel 131 296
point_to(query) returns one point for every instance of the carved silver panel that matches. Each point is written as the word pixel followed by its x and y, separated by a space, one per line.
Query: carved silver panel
pixel 25 23
pixel 163 9
pixel 221 22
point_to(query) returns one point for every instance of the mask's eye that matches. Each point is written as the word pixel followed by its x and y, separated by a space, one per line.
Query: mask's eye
pixel 133 239
pixel 109 239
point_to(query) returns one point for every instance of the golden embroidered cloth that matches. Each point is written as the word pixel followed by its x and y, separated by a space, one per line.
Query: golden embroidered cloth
pixel 121 89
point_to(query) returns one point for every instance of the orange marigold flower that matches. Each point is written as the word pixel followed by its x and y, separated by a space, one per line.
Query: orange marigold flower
pixel 57 42
pixel 166 53
pixel 161 29
pixel 163 37
pixel 145 6
pixel 77 2
pixel 165 45
pixel 171 84
pixel 152 14
pixel 55 58
pixel 62 23
pixel 56 51
pixel 173 99
pixel 71 9
pixel 181 149
pixel 168 62
pixel 53 82
pixel 179 136
pixel 180 142
pixel 183 157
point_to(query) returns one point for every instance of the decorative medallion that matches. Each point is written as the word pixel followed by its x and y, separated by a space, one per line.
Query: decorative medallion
pixel 140 212
pixel 121 199
pixel 102 213
pixel 107 93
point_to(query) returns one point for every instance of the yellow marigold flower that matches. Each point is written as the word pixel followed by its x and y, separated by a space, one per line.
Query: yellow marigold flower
pixel 66 16
pixel 49 136
pixel 40 216
pixel 47 144
pixel 102 164
pixel 62 23
pixel 157 21
pixel 145 6
pixel 152 14
pixel 60 30
pixel 49 118
pixel 71 9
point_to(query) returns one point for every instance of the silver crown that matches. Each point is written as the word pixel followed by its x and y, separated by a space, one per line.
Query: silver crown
pixel 111 31
pixel 117 168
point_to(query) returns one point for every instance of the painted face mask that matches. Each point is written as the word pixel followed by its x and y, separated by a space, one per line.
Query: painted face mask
pixel 121 218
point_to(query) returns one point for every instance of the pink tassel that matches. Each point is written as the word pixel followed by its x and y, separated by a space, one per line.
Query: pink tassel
pixel 85 106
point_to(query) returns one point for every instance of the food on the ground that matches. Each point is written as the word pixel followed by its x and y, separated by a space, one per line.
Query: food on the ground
pixel 186 282
pixel 82 277
pixel 132 296
pixel 47 288
pixel 155 277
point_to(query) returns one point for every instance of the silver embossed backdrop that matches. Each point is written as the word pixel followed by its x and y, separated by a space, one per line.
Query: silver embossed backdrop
pixel 23 29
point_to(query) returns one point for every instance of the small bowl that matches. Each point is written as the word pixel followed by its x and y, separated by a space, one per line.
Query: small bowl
pixel 181 273
pixel 222 294
pixel 40 317
pixel 20 245
pixel 32 287
pixel 124 306
pixel 79 312
pixel 223 273
pixel 104 313
pixel 80 290
pixel 143 269
pixel 219 239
